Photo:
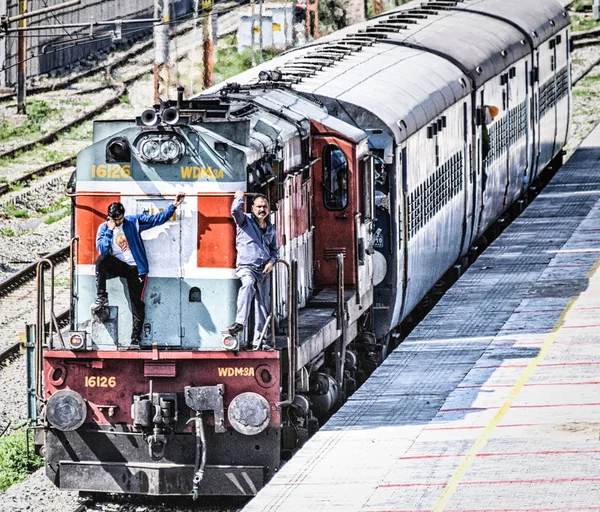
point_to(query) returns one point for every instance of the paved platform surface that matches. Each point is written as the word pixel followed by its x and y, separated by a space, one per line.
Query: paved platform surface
pixel 493 402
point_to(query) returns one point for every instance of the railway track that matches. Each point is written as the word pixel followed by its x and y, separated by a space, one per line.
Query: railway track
pixel 122 88
pixel 22 277
pixel 12 350
pixel 588 41
pixel 112 65
pixel 28 273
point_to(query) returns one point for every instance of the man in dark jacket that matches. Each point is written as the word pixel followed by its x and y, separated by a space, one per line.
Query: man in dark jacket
pixel 122 254
pixel 256 244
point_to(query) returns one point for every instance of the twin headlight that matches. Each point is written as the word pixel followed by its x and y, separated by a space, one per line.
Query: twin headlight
pixel 160 148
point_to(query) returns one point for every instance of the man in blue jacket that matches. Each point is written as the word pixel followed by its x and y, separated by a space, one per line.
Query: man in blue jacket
pixel 256 244
pixel 122 254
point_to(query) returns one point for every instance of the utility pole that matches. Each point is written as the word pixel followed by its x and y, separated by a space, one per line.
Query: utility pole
pixel 253 44
pixel 377 7
pixel 161 50
pixel 208 46
pixel 22 60
pixel 260 25
pixel 312 19
pixel 22 42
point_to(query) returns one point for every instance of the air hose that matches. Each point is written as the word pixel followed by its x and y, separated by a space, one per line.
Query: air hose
pixel 200 459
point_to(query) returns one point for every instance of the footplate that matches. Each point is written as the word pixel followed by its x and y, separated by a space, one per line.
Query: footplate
pixel 159 479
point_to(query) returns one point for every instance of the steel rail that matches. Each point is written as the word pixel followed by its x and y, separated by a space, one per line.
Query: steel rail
pixel 8 352
pixel 37 173
pixel 582 43
pixel 123 59
pixel 11 283
pixel 586 71
pixel 53 135
pixel 11 350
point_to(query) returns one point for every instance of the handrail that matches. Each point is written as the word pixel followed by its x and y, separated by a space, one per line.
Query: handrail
pixel 73 248
pixel 357 224
pixel 156 194
pixel 292 269
pixel 341 320
pixel 40 330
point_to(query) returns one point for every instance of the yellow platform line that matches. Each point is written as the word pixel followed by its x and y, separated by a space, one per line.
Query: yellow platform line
pixel 451 486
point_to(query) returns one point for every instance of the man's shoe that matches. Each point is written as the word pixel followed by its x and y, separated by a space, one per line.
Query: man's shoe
pixel 267 348
pixel 99 303
pixel 134 346
pixel 235 328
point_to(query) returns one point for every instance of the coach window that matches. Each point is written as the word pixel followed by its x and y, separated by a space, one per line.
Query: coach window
pixel 335 178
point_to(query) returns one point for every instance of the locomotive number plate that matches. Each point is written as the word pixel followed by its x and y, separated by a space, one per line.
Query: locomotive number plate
pixel 91 381
pixel 111 171
pixel 236 372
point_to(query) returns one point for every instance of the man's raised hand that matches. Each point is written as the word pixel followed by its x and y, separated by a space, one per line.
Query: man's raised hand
pixel 179 199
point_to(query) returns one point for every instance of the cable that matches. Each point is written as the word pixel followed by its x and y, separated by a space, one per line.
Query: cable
pixel 57 21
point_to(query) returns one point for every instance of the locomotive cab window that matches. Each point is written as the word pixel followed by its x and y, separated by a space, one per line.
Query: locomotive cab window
pixel 335 178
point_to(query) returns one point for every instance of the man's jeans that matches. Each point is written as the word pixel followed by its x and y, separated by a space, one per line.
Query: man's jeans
pixel 136 284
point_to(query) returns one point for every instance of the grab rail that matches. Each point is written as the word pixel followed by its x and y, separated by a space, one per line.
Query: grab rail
pixel 292 269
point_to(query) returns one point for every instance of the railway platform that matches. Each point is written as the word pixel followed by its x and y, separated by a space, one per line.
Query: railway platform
pixel 493 402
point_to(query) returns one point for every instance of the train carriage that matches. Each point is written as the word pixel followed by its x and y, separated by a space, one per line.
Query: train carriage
pixel 386 150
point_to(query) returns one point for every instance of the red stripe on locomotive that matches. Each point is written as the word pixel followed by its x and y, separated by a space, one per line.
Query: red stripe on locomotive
pixel 216 233
pixel 90 212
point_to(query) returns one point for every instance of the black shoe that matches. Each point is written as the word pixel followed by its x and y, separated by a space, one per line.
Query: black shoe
pixel 235 328
pixel 134 346
pixel 99 303
pixel 267 348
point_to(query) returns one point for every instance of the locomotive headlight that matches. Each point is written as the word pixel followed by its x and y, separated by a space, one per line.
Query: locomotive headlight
pixel 160 148
pixel 249 413
pixel 151 149
pixel 66 410
pixel 170 150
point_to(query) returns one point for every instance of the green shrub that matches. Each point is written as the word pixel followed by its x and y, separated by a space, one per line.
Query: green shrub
pixel 332 15
pixel 54 207
pixel 15 465
pixel 38 111
pixel 13 211
pixel 55 218
pixel 581 5
pixel 7 232
pixel 580 24
pixel 229 62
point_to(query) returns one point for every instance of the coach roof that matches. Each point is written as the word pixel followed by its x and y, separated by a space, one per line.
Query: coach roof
pixel 404 68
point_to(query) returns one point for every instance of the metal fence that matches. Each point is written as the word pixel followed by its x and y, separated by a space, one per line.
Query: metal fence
pixel 58 48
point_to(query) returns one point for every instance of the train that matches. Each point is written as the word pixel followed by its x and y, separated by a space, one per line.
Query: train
pixel 385 150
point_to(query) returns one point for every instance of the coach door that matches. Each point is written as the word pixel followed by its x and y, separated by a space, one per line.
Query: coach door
pixel 334 196
pixel 163 289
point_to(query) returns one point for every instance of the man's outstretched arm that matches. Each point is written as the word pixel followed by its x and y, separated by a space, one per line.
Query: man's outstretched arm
pixel 237 208
pixel 150 221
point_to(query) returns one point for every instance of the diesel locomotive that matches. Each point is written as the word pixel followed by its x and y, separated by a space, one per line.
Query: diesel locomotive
pixel 385 150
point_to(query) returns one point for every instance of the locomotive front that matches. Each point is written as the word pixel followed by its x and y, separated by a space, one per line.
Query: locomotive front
pixel 189 413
